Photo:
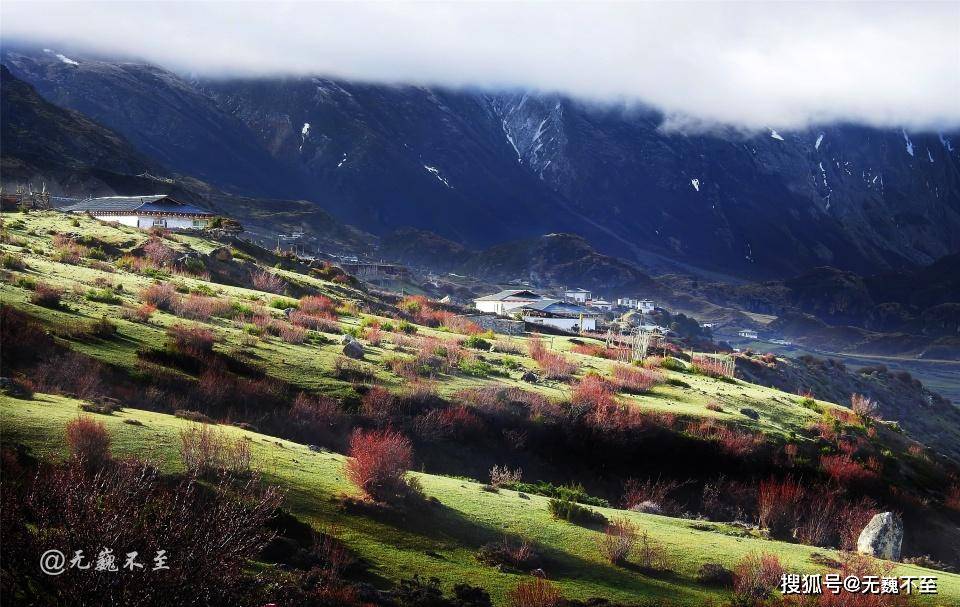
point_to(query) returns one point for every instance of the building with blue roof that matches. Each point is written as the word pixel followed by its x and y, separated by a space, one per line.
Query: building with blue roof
pixel 145 212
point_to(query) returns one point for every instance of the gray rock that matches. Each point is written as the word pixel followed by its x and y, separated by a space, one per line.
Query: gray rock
pixel 882 537
pixel 347 338
pixel 530 377
pixel 288 311
pixel 648 507
pixel 353 349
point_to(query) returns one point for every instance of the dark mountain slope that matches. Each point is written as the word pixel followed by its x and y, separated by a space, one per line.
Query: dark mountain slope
pixel 848 196
pixel 45 141
pixel 484 169
pixel 163 116
pixel 387 157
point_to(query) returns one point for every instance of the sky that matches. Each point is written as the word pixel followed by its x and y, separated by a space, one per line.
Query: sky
pixel 735 64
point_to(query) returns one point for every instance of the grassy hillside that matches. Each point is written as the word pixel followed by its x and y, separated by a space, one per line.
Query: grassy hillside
pixel 442 541
pixel 266 333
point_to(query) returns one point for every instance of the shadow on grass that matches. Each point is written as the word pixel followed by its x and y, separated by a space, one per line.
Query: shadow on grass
pixel 436 527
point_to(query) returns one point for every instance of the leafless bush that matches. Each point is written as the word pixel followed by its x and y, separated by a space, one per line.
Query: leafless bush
pixel 501 476
pixel 617 541
pixel 205 450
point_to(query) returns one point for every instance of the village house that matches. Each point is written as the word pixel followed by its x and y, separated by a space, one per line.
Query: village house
pixel 645 306
pixel 747 333
pixel 499 303
pixel 145 212
pixel 577 295
pixel 558 314
pixel 600 304
pixel 537 309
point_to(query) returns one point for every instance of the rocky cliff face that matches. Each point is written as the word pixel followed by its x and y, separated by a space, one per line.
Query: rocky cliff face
pixel 483 169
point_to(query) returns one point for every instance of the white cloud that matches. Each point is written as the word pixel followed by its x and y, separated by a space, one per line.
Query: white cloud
pixel 751 65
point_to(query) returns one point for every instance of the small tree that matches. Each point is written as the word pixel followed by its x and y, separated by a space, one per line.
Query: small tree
pixel 865 407
pixel 88 441
pixel 378 463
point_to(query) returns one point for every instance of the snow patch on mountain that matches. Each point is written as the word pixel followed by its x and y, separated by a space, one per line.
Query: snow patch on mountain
pixel 909 143
pixel 945 142
pixel 304 132
pixel 929 155
pixel 436 173
pixel 61 57
pixel 816 145
pixel 775 135
pixel 696 184
pixel 342 160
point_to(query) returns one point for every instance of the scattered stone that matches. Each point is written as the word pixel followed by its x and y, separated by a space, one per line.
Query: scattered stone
pixel 523 495
pixel 882 537
pixel 315 448
pixel 353 349
pixel 530 377
pixel 751 413
pixel 288 311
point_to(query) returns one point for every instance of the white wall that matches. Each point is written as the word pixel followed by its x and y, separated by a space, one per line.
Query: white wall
pixel 145 222
pixel 567 324
pixel 577 296
pixel 489 306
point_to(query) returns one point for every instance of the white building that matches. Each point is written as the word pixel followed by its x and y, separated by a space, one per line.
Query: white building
pixel 558 314
pixel 747 333
pixel 500 303
pixel 600 304
pixel 577 295
pixel 644 305
pixel 145 212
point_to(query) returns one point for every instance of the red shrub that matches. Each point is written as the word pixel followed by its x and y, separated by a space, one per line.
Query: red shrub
pixel 195 341
pixel 733 442
pixel 594 392
pixel 553 364
pixel 379 403
pixel 292 334
pixel 779 506
pixel 199 307
pixel 160 295
pixel 634 380
pixel 159 253
pixel 846 471
pixel 712 366
pixel 374 336
pixel 755 577
pixel 535 593
pixel 141 313
pixel 378 463
pixel 318 305
pixel 88 441
pixel 459 324
pixel 852 517
pixel 262 280
pixel 46 295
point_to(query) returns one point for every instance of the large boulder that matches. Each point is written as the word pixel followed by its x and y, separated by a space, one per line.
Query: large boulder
pixel 353 349
pixel 882 537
